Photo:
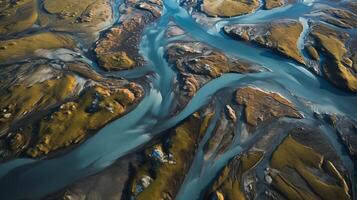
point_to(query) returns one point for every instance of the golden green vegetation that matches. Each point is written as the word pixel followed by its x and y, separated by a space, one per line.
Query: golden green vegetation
pixel 353 51
pixel 340 17
pixel 312 52
pixel 26 46
pixel 283 38
pixel 229 8
pixel 119 48
pixel 196 68
pixel 280 36
pixel 167 176
pixel 67 8
pixel 20 99
pixel 261 106
pixel 270 4
pixel 338 67
pixel 76 15
pixel 316 172
pixel 84 71
pixel 212 65
pixel 228 185
pixel 17 16
pixel 217 63
pixel 114 52
pixel 44 109
pixel 75 119
pixel 116 61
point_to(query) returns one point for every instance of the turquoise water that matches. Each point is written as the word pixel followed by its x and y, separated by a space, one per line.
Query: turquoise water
pixel 28 178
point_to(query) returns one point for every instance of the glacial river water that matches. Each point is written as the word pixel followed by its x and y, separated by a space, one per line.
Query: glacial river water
pixel 32 179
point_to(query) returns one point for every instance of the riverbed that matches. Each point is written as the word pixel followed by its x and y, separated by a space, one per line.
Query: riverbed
pixel 25 178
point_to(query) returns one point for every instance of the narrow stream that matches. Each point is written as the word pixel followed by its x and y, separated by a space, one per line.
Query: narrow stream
pixel 28 178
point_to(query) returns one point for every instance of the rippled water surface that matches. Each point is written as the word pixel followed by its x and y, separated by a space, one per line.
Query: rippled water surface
pixel 27 178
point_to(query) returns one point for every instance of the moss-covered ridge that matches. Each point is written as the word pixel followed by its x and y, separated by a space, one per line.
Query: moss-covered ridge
pixel 168 169
pixel 320 175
